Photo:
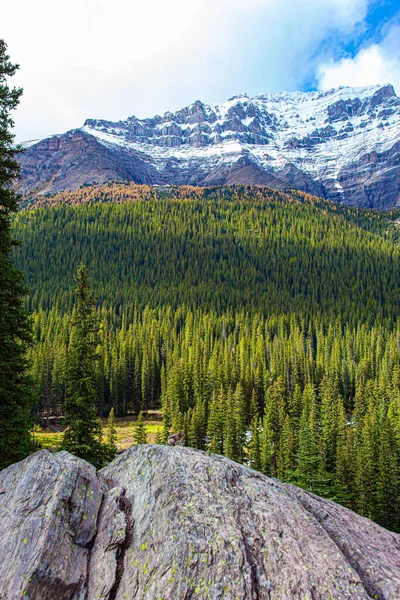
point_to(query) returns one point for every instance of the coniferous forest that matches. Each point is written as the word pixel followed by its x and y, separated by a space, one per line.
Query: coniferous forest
pixel 264 324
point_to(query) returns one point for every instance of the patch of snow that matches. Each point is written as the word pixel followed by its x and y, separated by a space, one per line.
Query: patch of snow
pixel 29 143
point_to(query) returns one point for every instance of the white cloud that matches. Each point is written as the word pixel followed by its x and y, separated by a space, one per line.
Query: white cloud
pixel 96 58
pixel 374 64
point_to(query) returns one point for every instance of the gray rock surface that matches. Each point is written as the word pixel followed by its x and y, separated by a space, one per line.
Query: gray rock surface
pixel 170 522
pixel 49 504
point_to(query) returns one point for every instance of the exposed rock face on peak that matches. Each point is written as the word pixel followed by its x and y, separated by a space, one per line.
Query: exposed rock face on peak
pixel 343 144
pixel 174 523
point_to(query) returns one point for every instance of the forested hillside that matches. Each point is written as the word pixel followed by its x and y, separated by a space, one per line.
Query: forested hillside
pixel 217 248
pixel 264 324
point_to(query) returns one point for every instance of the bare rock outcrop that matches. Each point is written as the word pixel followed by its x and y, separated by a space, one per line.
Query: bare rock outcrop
pixel 53 508
pixel 171 522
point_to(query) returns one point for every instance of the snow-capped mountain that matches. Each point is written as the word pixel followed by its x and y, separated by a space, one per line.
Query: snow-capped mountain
pixel 342 144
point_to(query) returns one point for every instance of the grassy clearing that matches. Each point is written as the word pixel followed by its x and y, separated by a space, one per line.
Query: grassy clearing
pixel 124 429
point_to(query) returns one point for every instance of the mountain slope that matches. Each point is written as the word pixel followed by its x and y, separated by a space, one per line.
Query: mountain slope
pixel 343 144
pixel 215 248
pixel 178 524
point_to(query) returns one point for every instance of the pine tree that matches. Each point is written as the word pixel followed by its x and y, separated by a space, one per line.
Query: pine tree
pixel 166 419
pixel 367 465
pixel 344 469
pixel 286 457
pixel 239 401
pixel 215 429
pixel 230 433
pixel 310 472
pixel 15 334
pixel 83 433
pixel 255 445
pixel 111 432
pixel 139 431
pixel 387 485
pixel 331 405
pixel 273 423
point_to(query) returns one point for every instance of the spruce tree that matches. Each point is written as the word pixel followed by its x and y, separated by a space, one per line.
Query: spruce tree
pixel 367 465
pixel 310 472
pixel 190 433
pixel 330 404
pixel 230 433
pixel 111 433
pixel 166 420
pixel 274 417
pixel 286 456
pixel 139 431
pixel 158 437
pixel 344 468
pixel 387 485
pixel 15 334
pixel 255 445
pixel 215 428
pixel 83 433
pixel 198 426
pixel 239 401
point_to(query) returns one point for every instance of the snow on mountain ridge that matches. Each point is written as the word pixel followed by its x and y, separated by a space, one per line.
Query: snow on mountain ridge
pixel 319 132
pixel 263 101
pixel 342 144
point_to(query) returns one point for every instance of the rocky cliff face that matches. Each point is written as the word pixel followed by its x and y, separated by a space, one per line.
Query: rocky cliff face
pixel 174 523
pixel 343 145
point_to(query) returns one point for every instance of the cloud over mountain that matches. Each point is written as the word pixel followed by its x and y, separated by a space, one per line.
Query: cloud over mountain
pixel 374 63
pixel 97 58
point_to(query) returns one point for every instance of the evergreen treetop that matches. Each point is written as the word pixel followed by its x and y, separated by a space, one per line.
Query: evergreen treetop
pixel 83 433
pixel 139 431
pixel 15 332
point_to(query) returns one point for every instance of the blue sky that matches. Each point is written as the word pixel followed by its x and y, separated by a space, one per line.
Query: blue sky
pixel 380 14
pixel 380 17
pixel 102 59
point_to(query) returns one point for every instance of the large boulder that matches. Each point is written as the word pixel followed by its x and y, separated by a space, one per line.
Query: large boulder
pixel 163 523
pixel 53 508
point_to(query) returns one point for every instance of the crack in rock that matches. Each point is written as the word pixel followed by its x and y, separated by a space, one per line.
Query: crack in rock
pixel 126 507
pixel 250 559
pixel 91 543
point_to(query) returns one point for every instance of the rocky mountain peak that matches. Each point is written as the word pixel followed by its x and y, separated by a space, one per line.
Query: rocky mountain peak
pixel 175 523
pixel 325 137
pixel 384 92
pixel 240 96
